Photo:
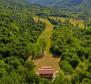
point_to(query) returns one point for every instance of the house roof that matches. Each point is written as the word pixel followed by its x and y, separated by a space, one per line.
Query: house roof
pixel 46 70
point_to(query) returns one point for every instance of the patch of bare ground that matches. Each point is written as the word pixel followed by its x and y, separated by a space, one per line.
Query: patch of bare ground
pixel 47 60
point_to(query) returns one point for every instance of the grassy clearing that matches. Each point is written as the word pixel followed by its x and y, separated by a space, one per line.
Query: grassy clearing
pixel 46 34
pixel 73 22
pixel 78 23
pixel 45 38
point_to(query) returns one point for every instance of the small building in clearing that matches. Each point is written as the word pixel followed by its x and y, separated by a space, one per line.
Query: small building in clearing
pixel 46 72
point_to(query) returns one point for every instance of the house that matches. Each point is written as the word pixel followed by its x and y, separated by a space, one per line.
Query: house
pixel 46 72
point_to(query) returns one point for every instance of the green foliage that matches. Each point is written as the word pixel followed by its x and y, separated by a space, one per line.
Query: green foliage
pixel 66 66
pixel 73 45
pixel 61 79
pixel 20 38
pixel 18 33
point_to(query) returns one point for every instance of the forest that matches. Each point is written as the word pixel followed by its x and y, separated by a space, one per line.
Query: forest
pixel 29 31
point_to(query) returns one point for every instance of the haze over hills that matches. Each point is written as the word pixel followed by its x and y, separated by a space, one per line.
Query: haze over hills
pixel 68 4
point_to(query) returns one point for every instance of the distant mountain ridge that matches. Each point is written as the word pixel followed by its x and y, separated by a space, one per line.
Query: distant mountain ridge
pixel 45 2
pixel 68 4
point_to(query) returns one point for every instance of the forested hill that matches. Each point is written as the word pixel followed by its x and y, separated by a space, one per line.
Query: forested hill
pixel 18 6
pixel 18 33
pixel 63 3
pixel 72 5
pixel 31 32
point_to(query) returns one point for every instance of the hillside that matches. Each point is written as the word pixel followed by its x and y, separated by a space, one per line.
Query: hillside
pixel 72 5
pixel 62 3
pixel 75 4
pixel 45 2
pixel 56 2
pixel 55 33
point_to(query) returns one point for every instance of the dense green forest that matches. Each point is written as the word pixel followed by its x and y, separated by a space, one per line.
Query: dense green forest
pixel 20 39
pixel 74 46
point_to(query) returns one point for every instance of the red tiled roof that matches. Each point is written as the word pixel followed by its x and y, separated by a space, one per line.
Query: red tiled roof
pixel 46 70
